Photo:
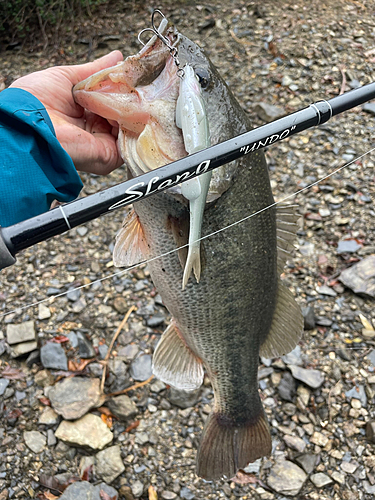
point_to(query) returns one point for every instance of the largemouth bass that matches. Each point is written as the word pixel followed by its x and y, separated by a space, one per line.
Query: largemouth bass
pixel 239 308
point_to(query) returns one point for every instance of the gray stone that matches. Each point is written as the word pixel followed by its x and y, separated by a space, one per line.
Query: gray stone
pixel 357 393
pixel 369 107
pixel 137 489
pixel 187 494
pixel 73 294
pixel 23 348
pixel 35 441
pixel 295 443
pixel 111 492
pixel 370 490
pixel 89 431
pixel 361 276
pixel 268 112
pixel 307 248
pixel 2 347
pixel 51 438
pixel 4 382
pixel 307 462
pixel 320 480
pixel 85 348
pixel 183 399
pixel 130 351
pixel 312 378
pixel 22 332
pixel 348 246
pixel 82 230
pixel 168 495
pixel 371 357
pixel 82 490
pixel 43 312
pixel 48 417
pixel 287 387
pixel 156 320
pixel 326 290
pixel 109 464
pixel 294 357
pixel 122 407
pixel 74 397
pixel 140 368
pixel 286 478
pixel 308 317
pixel 53 356
pixel 73 339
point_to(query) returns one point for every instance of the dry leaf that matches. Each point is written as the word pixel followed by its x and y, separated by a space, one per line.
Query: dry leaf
pixel 50 496
pixel 152 495
pixel 365 322
pixel 59 339
pixel 132 426
pixel 104 496
pixel 12 373
pixel 106 419
pixel 87 473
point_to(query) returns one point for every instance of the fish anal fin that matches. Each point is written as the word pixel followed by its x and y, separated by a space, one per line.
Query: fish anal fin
pixel 130 246
pixel 286 328
pixel 175 363
pixel 225 448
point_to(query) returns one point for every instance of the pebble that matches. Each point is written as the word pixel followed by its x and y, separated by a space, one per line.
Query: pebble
pixel 44 312
pixel 312 378
pixel 82 230
pixel 369 107
pixel 73 339
pixel 319 439
pixel 182 399
pixel 349 467
pixel 357 392
pixel 326 290
pixel 295 443
pixel 294 357
pixel 85 348
pixel 130 351
pixel 53 356
pixel 287 387
pixel 268 112
pixel 122 407
pixel 51 438
pixel 348 246
pixel 320 480
pixel 137 489
pixel 48 417
pixel 370 490
pixel 141 368
pixel 89 431
pixel 121 305
pixel 109 464
pixel 168 495
pixel 4 382
pixel 74 397
pixel 44 378
pixel 286 478
pixel 35 440
pixel 360 276
pixel 23 348
pixel 307 249
pixel 187 494
pixel 83 490
pixel 156 320
pixel 339 478
pixel 309 318
pixel 307 462
pixel 73 294
pixel 22 332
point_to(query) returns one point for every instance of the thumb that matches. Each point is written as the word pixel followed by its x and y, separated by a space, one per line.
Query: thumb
pixel 82 71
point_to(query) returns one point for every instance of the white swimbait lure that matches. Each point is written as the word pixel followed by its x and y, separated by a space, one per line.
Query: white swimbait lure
pixel 191 118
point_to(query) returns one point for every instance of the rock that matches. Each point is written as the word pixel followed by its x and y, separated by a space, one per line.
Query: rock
pixel 23 332
pixel 357 393
pixel 130 351
pixel 44 378
pixel 121 305
pixel 370 490
pixel 23 348
pixel 370 431
pixel 286 478
pixel 307 249
pixel 48 417
pixel 295 443
pixel 361 277
pixel 122 407
pixel 187 494
pixel 369 107
pixel 82 230
pixel 349 467
pixel 83 490
pixel 4 382
pixel 309 318
pixel 51 439
pixel 326 290
pixel 73 294
pixel 109 464
pixel 111 492
pixel 307 462
pixel 74 397
pixel 268 112
pixel 73 339
pixel 320 480
pixel 168 495
pixel 137 489
pixel 53 356
pixel 34 358
pixel 35 441
pixel 339 478
pixel 43 312
pixel 85 349
pixel 140 368
pixel 312 378
pixel 287 387
pixel 294 357
pixel 319 439
pixel 156 320
pixel 182 399
pixel 89 431
pixel 348 246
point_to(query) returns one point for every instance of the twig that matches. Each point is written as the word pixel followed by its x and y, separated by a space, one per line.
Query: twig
pixel 343 84
pixel 117 333
pixel 132 388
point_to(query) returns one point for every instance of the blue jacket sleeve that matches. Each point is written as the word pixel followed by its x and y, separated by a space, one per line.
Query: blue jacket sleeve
pixel 34 168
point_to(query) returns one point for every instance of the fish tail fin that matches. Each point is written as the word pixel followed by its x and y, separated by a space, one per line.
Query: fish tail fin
pixel 193 263
pixel 227 447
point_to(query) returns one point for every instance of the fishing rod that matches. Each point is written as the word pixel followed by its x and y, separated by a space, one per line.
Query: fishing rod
pixel 27 233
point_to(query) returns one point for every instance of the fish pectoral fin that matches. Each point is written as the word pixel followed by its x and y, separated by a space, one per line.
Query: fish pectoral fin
pixel 226 447
pixel 131 246
pixel 286 328
pixel 286 229
pixel 175 363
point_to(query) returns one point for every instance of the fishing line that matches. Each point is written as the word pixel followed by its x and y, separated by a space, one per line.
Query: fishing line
pixel 119 273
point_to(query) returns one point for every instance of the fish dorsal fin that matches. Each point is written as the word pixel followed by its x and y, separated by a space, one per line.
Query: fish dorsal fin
pixel 287 323
pixel 131 246
pixel 286 228
pixel 286 328
pixel 175 363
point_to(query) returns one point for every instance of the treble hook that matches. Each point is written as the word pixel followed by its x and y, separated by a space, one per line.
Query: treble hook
pixel 172 47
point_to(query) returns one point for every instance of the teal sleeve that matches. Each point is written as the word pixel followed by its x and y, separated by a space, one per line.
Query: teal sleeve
pixel 34 168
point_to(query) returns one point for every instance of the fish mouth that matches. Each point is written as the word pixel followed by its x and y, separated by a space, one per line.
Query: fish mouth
pixel 140 94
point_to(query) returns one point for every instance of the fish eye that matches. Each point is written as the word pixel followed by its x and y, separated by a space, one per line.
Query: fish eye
pixel 203 77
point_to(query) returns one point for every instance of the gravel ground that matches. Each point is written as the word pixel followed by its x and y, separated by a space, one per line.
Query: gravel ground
pixel 319 399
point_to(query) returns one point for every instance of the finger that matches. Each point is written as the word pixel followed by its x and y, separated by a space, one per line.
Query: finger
pixel 82 71
pixel 101 156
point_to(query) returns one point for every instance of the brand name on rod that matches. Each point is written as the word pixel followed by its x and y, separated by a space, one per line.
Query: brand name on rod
pixel 250 148
pixel 141 189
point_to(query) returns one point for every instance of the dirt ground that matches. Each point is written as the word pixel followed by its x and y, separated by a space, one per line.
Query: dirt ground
pixel 286 54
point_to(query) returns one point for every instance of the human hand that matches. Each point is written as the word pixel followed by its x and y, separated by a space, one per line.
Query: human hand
pixel 88 139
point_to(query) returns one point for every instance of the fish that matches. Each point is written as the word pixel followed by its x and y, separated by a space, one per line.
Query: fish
pixel 239 309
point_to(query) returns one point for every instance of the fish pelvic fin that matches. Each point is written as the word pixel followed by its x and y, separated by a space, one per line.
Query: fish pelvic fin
pixel 227 447
pixel 175 363
pixel 286 327
pixel 130 246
